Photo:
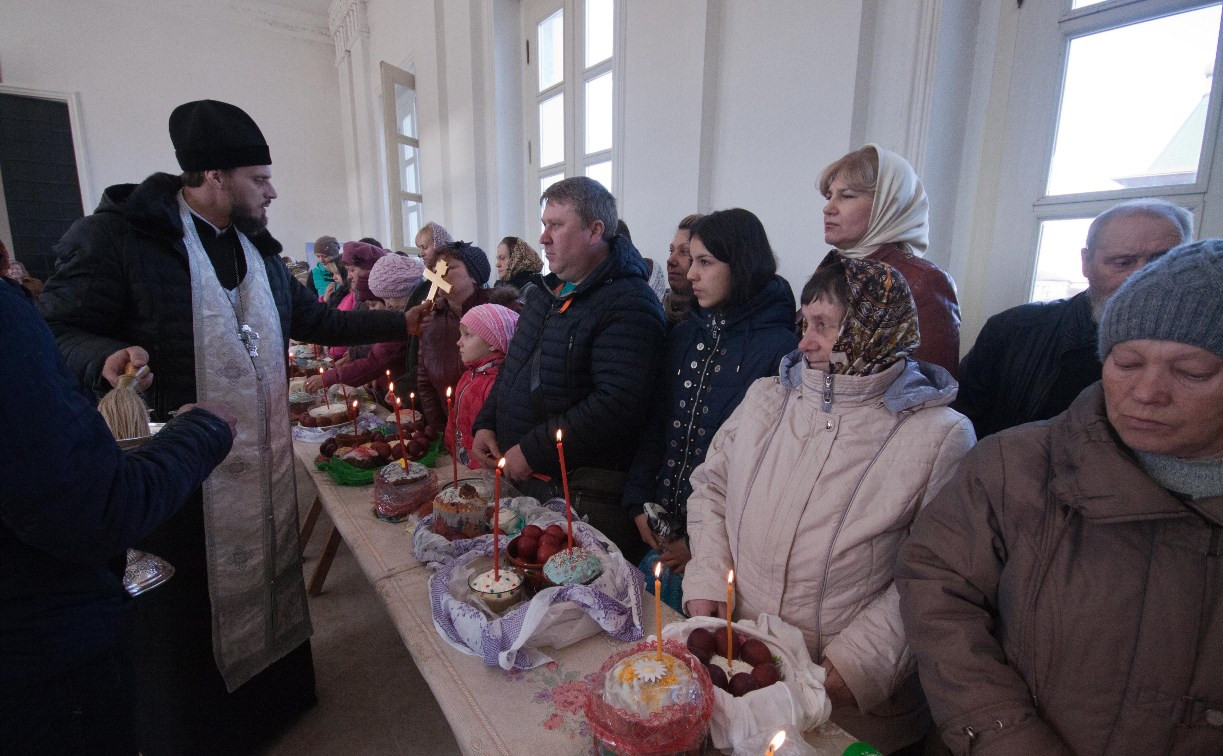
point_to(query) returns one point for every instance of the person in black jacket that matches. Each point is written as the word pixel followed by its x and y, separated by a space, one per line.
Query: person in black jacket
pixel 583 358
pixel 71 503
pixel 1031 361
pixel 180 273
pixel 741 328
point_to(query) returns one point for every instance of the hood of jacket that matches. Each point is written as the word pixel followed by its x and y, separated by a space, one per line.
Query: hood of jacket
pixel 150 207
pixel 916 384
pixel 623 261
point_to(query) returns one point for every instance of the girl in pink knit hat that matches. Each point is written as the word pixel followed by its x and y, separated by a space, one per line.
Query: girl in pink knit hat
pixel 484 337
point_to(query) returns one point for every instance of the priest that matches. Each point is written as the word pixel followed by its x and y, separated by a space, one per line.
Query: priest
pixel 179 273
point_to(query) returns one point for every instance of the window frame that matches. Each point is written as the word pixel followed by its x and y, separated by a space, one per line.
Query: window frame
pixel 396 194
pixel 573 85
pixel 1042 44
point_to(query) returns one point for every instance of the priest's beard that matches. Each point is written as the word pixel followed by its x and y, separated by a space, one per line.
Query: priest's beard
pixel 248 223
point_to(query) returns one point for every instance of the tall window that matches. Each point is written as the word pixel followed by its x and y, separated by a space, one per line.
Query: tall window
pixel 402 155
pixel 1135 116
pixel 572 48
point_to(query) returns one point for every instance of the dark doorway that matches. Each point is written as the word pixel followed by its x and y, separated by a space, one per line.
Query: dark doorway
pixel 38 168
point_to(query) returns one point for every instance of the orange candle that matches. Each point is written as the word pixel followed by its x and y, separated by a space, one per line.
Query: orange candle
pixel 730 611
pixel 454 452
pixel 497 519
pixel 324 384
pixel 658 604
pixel 403 449
pixel 560 452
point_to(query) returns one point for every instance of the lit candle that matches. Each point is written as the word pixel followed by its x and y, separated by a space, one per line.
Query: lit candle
pixel 403 450
pixel 730 610
pixel 658 604
pixel 560 452
pixel 412 405
pixel 391 387
pixel 776 742
pixel 324 385
pixel 355 407
pixel 497 519
pixel 454 452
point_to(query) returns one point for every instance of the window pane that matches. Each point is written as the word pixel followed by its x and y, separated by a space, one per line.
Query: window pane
pixel 602 172
pixel 599 113
pixel 551 50
pixel 598 31
pixel 552 130
pixel 549 180
pixel 409 169
pixel 1059 261
pixel 411 221
pixel 405 110
pixel 1134 106
pixel 1083 3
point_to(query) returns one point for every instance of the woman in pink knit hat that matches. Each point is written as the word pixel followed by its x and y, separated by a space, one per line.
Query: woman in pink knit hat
pixel 484 336
pixel 391 279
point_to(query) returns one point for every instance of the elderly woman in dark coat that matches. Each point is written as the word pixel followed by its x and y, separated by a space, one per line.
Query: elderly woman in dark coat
pixel 1064 592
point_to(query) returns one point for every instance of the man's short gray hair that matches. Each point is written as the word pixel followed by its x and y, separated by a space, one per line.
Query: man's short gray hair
pixel 1180 218
pixel 589 199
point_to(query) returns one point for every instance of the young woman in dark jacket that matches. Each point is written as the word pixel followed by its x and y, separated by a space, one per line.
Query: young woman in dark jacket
pixel 743 325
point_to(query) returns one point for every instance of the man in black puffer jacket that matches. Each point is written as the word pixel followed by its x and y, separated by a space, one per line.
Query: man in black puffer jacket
pixel 583 358
pixel 71 502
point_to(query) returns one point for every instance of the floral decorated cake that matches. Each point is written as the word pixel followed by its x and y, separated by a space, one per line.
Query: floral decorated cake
pixel 650 702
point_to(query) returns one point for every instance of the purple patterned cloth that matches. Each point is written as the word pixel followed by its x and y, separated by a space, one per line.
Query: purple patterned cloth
pixel 555 617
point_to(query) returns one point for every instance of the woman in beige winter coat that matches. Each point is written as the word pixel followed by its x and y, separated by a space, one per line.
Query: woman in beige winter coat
pixel 810 487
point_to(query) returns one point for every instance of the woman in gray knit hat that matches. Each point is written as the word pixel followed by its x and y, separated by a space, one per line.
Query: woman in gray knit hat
pixel 1064 592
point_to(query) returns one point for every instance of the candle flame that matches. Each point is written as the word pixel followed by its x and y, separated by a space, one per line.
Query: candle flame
pixel 320 371
pixel 730 577
pixel 777 740
pixel 447 392
pixel 501 464
pixel 392 387
pixel 398 402
pixel 411 394
pixel 657 570
pixel 356 403
pixel 558 435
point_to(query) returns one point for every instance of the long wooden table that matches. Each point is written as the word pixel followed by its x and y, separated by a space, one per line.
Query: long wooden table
pixel 491 711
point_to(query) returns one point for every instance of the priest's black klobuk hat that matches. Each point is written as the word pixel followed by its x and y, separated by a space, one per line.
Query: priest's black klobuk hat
pixel 210 134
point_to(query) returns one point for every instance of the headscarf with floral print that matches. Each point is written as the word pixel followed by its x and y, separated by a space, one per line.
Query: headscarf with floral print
pixel 880 325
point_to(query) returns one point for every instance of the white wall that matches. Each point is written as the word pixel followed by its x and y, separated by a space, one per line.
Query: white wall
pixel 132 64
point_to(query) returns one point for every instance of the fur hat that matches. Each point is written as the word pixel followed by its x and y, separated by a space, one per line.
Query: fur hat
pixel 493 323
pixel 361 254
pixel 473 259
pixel 395 276
pixel 209 134
pixel 1178 297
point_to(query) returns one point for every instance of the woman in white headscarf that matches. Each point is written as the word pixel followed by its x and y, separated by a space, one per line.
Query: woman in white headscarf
pixel 877 208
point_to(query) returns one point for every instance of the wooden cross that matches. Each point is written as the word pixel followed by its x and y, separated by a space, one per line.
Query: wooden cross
pixel 437 279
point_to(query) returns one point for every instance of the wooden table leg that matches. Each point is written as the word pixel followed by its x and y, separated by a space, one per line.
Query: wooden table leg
pixel 308 525
pixel 324 562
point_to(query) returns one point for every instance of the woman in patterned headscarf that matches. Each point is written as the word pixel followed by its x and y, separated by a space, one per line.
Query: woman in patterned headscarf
pixel 517 263
pixel 809 488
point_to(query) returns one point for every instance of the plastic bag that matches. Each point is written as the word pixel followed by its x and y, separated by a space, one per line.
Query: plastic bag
pixel 798 699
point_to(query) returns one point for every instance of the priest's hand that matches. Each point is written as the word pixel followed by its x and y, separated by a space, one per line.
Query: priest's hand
pixel 117 363
pixel 705 608
pixel 414 317
pixel 516 465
